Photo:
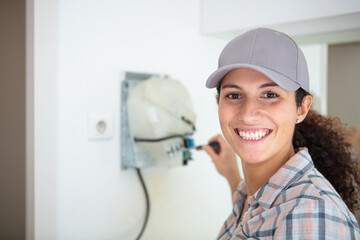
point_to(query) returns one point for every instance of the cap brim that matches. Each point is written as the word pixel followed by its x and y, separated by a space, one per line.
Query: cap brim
pixel 281 80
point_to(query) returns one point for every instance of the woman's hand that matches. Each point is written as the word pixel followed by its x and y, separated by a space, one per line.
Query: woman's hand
pixel 225 161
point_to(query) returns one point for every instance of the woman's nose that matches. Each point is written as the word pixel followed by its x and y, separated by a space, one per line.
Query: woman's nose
pixel 249 111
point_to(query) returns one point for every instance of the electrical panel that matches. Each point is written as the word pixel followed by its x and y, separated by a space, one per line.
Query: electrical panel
pixel 157 121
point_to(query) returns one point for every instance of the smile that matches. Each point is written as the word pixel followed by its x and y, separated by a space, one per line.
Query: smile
pixel 253 135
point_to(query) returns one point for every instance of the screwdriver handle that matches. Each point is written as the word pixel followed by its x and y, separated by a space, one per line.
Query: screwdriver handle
pixel 214 145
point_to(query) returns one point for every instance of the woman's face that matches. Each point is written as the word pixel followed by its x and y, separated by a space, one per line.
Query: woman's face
pixel 257 117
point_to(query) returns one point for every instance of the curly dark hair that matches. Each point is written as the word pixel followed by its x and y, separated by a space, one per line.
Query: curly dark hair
pixel 324 138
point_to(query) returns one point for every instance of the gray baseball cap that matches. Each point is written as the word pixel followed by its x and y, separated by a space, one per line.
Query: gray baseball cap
pixel 267 51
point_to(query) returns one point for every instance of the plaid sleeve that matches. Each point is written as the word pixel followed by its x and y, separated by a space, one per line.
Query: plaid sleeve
pixel 225 232
pixel 317 220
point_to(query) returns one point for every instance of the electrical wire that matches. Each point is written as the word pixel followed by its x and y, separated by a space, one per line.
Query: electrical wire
pixel 163 138
pixel 189 122
pixel 171 136
pixel 147 203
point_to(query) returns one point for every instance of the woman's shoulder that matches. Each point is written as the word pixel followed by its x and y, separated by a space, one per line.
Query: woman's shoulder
pixel 313 208
pixel 313 197
pixel 311 185
pixel 318 218
pixel 313 188
pixel 306 210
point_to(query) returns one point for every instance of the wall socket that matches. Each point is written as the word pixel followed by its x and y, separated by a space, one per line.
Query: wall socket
pixel 100 126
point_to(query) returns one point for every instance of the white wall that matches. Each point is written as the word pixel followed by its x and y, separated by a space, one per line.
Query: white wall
pixel 316 58
pixel 41 119
pixel 97 42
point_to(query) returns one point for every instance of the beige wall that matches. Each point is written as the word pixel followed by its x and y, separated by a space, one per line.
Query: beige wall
pixel 12 119
pixel 344 82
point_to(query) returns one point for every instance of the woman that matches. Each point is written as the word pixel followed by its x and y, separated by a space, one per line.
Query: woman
pixel 264 112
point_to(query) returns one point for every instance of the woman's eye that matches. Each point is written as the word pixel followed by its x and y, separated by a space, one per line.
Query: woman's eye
pixel 233 96
pixel 270 95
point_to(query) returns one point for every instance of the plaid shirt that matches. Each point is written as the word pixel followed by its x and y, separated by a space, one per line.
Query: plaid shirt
pixel 296 203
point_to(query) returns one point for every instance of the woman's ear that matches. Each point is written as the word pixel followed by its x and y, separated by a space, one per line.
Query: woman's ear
pixel 304 108
pixel 217 99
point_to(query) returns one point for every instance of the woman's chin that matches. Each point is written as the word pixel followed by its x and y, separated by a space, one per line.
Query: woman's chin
pixel 252 157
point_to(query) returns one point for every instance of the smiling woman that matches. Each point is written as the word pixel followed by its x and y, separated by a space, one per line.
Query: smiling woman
pixel 286 149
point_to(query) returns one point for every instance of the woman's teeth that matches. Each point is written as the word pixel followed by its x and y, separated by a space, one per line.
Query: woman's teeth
pixel 253 135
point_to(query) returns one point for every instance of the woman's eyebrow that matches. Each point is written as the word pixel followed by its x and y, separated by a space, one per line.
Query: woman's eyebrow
pixel 231 86
pixel 272 84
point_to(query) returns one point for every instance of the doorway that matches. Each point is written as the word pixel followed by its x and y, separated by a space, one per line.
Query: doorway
pixel 344 82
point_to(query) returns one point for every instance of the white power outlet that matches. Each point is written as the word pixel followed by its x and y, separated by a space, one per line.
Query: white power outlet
pixel 100 126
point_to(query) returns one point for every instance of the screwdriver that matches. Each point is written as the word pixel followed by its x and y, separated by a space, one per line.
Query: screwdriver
pixel 214 145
